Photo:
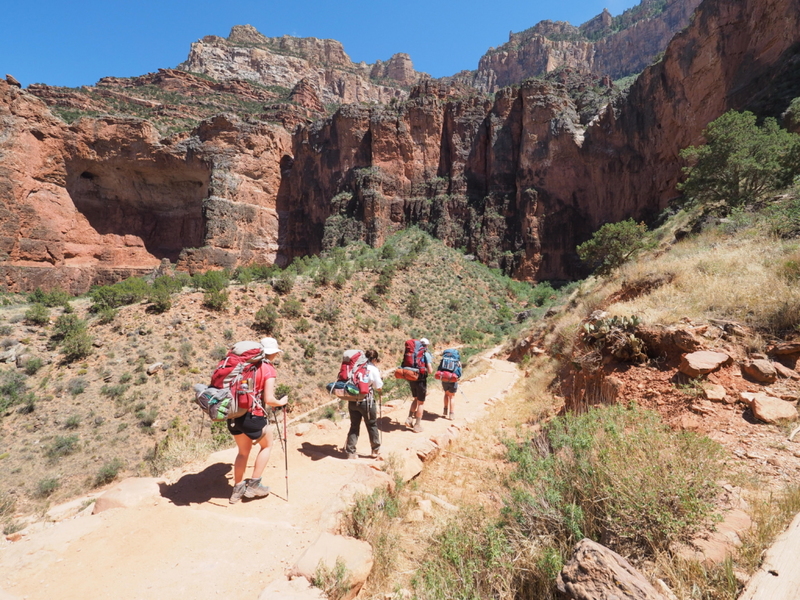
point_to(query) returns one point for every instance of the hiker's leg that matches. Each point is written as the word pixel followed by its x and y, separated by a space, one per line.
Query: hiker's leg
pixel 262 458
pixel 244 444
pixel 422 391
pixel 355 425
pixel 371 420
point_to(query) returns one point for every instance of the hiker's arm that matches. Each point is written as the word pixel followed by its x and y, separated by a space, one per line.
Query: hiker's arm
pixel 269 394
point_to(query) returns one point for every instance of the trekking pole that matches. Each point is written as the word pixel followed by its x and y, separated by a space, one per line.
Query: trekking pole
pixel 286 453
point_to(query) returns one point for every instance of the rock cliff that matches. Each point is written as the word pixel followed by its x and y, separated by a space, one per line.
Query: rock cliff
pixel 519 178
pixel 605 45
pixel 283 62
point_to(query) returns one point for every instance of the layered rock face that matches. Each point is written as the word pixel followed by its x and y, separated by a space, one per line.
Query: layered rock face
pixel 594 47
pixel 285 61
pixel 519 180
pixel 104 198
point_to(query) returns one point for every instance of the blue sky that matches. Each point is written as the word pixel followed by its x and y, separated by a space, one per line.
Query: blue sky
pixel 77 43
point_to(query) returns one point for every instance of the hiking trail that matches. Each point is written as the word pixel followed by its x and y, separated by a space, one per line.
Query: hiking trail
pixel 187 541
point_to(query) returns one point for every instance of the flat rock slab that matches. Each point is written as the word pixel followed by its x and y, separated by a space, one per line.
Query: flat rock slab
pixel 130 492
pixel 778 577
pixel 714 392
pixel 760 370
pixel 594 572
pixel 327 549
pixel 699 363
pixel 768 408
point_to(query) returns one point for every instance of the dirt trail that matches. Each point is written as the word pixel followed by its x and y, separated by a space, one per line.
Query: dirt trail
pixel 190 543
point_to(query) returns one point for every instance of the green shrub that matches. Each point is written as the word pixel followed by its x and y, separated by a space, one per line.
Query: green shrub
pixel 329 312
pixel 160 300
pixel 614 472
pixel 372 298
pixel 115 392
pixel 33 365
pixel 292 308
pixel 63 445
pixel 12 389
pixel 123 293
pixel 38 314
pixel 413 306
pixel 76 346
pixel 72 422
pixel 55 297
pixel 67 325
pixel 45 487
pixel 302 325
pixel 108 472
pixel 211 280
pixel 215 299
pixel 106 315
pixel 266 320
pixel 384 283
pixel 77 386
pixel 284 283
pixel 613 245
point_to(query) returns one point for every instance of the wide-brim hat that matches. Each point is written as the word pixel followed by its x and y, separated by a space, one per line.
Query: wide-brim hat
pixel 425 342
pixel 270 345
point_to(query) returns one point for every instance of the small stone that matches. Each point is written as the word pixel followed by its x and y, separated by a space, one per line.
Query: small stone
pixel 155 368
pixel 760 370
pixel 714 392
pixel 415 516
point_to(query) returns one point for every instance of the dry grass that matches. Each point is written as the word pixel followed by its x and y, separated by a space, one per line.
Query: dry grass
pixel 741 278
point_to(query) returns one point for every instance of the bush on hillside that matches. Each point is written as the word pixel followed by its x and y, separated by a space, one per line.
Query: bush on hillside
pixel 740 162
pixel 55 297
pixel 76 346
pixel 211 280
pixel 67 325
pixel 119 294
pixel 266 320
pixel 215 299
pixel 38 314
pixel 613 245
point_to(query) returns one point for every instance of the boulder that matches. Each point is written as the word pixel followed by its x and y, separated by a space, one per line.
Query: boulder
pixel 298 588
pixel 785 372
pixel 785 348
pixel 699 363
pixel 760 370
pixel 427 450
pixel 133 491
pixel 326 550
pixel 594 572
pixel 778 575
pixel 155 368
pixel 714 392
pixel 768 408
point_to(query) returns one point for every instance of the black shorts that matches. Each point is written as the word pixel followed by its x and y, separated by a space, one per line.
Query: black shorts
pixel 248 424
pixel 450 386
pixel 419 388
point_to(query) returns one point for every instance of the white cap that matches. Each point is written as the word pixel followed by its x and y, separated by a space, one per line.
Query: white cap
pixel 425 342
pixel 270 345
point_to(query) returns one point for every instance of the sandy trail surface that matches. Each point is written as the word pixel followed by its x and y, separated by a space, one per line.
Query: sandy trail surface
pixel 189 542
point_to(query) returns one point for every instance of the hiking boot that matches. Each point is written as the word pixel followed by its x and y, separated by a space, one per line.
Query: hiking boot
pixel 446 412
pixel 238 490
pixel 376 452
pixel 255 489
pixel 352 455
pixel 451 416
pixel 410 421
pixel 418 426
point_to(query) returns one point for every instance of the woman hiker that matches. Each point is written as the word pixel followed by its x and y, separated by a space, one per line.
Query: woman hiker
pixel 252 428
pixel 366 409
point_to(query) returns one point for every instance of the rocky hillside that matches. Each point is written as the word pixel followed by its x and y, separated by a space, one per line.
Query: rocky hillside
pixel 285 61
pixel 605 45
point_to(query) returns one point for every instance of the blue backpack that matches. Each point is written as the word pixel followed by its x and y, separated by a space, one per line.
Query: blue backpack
pixel 451 362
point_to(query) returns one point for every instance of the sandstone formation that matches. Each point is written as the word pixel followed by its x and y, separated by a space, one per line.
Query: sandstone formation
pixel 285 61
pixel 778 576
pixel 329 549
pixel 699 363
pixel 105 198
pixel 518 179
pixel 601 45
pixel 768 408
pixel 595 572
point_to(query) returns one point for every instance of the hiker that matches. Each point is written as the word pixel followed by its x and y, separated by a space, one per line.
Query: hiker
pixel 366 409
pixel 449 372
pixel 419 388
pixel 252 428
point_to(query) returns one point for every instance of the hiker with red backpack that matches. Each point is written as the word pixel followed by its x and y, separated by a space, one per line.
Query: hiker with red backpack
pixel 417 364
pixel 366 408
pixel 254 381
pixel 449 372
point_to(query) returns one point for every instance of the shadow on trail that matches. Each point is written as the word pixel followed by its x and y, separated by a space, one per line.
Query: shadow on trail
pixel 196 488
pixel 320 451
pixel 385 424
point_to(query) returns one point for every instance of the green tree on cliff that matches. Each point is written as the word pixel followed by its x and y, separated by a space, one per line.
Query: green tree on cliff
pixel 613 245
pixel 740 162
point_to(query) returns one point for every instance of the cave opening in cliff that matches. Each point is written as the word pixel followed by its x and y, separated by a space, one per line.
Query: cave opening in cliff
pixel 158 201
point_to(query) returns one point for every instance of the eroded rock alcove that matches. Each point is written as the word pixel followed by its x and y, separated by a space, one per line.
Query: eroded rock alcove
pixel 159 201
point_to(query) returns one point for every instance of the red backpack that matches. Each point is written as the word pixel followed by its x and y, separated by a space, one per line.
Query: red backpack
pixel 414 356
pixel 354 368
pixel 237 372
